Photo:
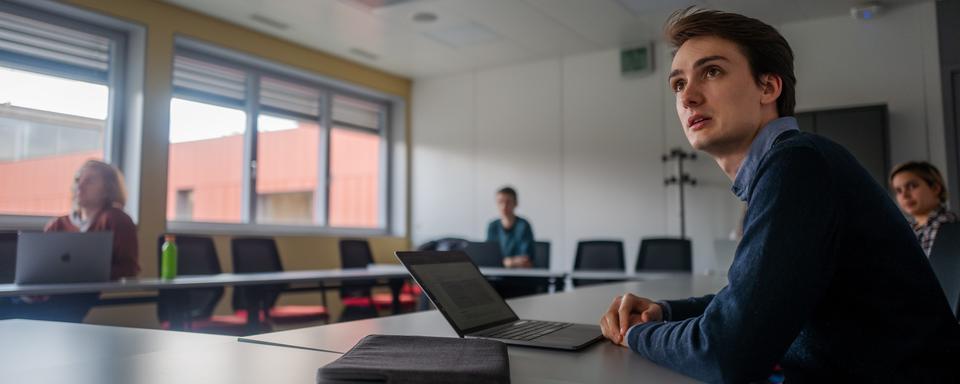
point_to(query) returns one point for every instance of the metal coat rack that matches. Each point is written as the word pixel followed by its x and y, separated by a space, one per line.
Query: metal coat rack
pixel 681 179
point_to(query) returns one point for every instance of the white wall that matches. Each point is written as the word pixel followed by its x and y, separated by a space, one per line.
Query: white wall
pixel 582 144
pixel 893 59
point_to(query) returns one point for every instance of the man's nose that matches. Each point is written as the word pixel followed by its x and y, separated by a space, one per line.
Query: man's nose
pixel 691 96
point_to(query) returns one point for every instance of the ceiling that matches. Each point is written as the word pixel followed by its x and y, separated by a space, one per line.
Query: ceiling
pixel 472 34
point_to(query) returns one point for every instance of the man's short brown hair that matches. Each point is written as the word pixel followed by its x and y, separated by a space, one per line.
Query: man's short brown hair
pixel 509 191
pixel 766 50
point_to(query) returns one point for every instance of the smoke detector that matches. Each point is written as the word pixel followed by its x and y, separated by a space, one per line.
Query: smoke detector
pixel 866 11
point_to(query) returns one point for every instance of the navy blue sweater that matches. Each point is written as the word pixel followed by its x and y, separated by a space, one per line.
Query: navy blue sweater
pixel 828 281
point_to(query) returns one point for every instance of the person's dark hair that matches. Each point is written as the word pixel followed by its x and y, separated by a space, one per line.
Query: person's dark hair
pixel 766 50
pixel 925 171
pixel 509 191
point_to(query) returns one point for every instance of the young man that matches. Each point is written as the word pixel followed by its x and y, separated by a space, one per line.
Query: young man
pixel 828 283
pixel 513 233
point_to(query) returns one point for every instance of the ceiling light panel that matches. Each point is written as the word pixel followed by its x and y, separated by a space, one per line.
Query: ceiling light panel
pixel 463 35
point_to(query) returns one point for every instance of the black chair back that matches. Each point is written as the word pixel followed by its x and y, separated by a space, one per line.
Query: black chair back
pixel 541 255
pixel 485 254
pixel 196 255
pixel 254 255
pixel 8 257
pixel 600 255
pixel 444 244
pixel 665 254
pixel 355 253
pixel 945 261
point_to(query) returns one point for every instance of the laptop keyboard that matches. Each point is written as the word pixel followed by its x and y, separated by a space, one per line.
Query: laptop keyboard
pixel 527 330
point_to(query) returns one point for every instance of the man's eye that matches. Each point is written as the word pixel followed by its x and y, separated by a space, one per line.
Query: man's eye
pixel 678 86
pixel 713 72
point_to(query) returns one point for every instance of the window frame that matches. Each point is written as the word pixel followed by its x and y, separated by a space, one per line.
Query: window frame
pixel 126 40
pixel 256 68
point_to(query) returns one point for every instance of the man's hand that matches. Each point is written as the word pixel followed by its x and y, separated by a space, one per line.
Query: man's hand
pixel 521 261
pixel 625 312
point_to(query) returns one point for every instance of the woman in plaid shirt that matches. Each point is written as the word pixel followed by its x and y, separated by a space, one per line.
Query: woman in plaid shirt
pixel 922 195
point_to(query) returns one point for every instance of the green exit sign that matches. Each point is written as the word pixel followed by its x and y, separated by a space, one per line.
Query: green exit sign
pixel 638 60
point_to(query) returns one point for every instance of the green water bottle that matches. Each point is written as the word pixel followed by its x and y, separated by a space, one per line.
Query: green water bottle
pixel 168 258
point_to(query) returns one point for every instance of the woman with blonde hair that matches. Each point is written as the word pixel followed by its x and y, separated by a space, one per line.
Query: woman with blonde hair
pixel 922 195
pixel 98 200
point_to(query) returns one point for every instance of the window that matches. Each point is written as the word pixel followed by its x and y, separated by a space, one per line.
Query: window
pixel 206 157
pixel 255 146
pixel 184 205
pixel 354 164
pixel 59 82
pixel 288 158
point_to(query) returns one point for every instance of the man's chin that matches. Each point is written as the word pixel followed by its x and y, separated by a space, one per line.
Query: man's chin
pixel 699 144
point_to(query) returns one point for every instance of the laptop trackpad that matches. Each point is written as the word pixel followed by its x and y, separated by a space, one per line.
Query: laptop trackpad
pixel 577 335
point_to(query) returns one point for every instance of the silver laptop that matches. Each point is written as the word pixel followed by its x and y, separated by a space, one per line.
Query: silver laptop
pixel 474 309
pixel 63 257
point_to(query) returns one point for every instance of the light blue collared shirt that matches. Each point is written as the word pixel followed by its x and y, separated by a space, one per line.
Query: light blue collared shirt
pixel 748 170
pixel 759 148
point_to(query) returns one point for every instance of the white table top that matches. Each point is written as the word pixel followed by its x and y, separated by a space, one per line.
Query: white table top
pixel 151 284
pixel 626 276
pixel 36 352
pixel 603 362
pixel 34 344
pixel 49 352
pixel 486 271
pixel 374 271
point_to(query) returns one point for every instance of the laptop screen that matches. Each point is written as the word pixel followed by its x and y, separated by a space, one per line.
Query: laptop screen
pixel 485 254
pixel 458 289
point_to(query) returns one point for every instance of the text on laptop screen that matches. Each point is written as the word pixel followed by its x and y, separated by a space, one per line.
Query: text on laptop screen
pixel 466 297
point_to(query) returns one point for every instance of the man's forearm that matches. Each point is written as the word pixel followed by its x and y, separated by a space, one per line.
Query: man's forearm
pixel 676 310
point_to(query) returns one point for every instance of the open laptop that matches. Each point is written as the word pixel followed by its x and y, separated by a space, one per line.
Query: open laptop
pixel 63 257
pixel 485 254
pixel 474 309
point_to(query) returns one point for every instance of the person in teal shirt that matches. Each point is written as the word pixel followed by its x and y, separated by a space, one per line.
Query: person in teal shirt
pixel 513 233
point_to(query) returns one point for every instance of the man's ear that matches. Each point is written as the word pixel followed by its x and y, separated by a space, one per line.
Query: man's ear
pixel 771 85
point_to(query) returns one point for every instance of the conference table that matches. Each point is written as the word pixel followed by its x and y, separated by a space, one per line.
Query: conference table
pixel 624 276
pixel 599 363
pixel 529 277
pixel 41 352
pixel 51 352
pixel 394 275
pixel 255 297
pixel 558 280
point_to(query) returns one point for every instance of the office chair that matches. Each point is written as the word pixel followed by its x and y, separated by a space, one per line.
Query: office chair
pixel 485 253
pixel 357 295
pixel 665 254
pixel 8 256
pixel 197 255
pixel 524 286
pixel 598 255
pixel 252 255
pixel 541 255
pixel 444 244
pixel 945 261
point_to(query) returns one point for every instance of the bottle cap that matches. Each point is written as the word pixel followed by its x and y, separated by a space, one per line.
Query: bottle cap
pixel 169 238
